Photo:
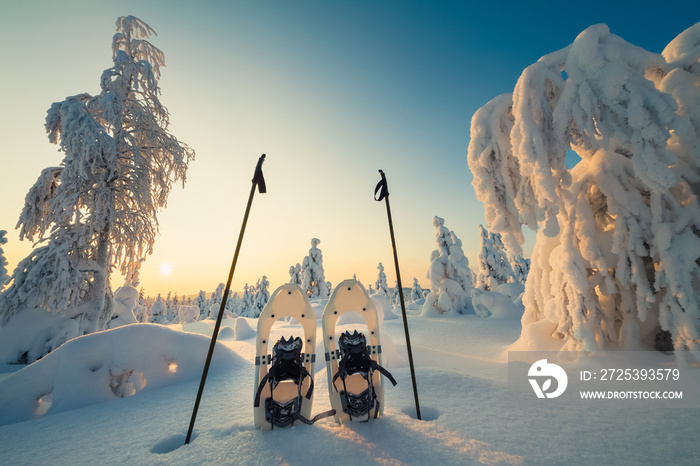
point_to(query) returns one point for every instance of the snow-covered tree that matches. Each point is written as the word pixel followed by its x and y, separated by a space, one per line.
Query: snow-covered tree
pixel 262 296
pixel 203 305
pixel 381 283
pixel 521 268
pixel 97 211
pixel 313 280
pixel 126 299
pixel 247 301
pixel 416 291
pixel 172 307
pixel 617 253
pixel 140 310
pixel 168 306
pixel 295 274
pixel 494 267
pixel 396 297
pixel 4 278
pixel 217 295
pixel 157 312
pixel 233 304
pixel 449 274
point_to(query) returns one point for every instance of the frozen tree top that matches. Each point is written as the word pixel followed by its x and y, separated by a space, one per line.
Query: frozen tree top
pixel 684 50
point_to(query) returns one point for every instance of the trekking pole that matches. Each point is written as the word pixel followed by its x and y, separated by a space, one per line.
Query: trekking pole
pixel 384 195
pixel 258 181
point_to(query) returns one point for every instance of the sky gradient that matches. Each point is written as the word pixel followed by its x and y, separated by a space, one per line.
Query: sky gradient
pixel 331 91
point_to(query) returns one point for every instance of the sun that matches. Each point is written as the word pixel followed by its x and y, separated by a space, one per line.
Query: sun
pixel 166 268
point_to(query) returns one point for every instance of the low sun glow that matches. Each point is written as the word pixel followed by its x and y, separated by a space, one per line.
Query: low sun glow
pixel 166 268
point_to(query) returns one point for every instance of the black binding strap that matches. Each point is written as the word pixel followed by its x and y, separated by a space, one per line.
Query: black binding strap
pixel 330 412
pixel 268 376
pixel 373 365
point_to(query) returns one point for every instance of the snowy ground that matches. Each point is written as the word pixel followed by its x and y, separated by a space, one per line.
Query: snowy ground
pixel 462 383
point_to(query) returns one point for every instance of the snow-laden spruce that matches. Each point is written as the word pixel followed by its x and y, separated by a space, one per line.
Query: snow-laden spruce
pixel 616 255
pixel 295 274
pixel 97 211
pixel 247 301
pixel 217 295
pixel 157 312
pixel 520 266
pixel 233 304
pixel 449 274
pixel 416 291
pixel 313 280
pixel 494 267
pixel 203 305
pixel 381 283
pixel 4 277
pixel 125 300
pixel 262 295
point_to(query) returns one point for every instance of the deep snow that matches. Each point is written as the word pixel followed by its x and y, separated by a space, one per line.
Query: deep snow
pixel 462 371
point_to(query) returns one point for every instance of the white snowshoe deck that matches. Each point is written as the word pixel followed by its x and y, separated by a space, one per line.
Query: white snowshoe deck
pixel 351 296
pixel 287 301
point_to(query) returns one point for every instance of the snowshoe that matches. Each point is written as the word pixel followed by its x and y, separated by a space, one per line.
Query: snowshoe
pixel 354 368
pixel 283 379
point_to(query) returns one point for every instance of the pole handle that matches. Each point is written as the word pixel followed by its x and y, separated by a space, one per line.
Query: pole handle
pixel 381 190
pixel 258 176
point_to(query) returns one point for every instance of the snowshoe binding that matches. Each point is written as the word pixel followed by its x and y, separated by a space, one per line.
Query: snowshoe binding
pixel 287 364
pixel 354 367
pixel 355 359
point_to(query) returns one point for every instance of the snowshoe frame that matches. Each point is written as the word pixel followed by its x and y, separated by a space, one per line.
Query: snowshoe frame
pixel 348 393
pixel 287 301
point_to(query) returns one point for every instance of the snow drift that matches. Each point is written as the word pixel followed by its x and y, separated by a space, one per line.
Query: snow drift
pixel 107 365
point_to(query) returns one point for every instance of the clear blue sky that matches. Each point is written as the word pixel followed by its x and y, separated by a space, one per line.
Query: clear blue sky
pixel 332 91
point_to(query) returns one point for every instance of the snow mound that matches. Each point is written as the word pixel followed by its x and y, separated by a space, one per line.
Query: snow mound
pixel 242 329
pixel 318 305
pixel 227 333
pixel 33 333
pixel 351 318
pixel 383 307
pixel 537 336
pixel 107 365
pixel 391 359
pixel 496 306
pixel 188 314
pixel 512 290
